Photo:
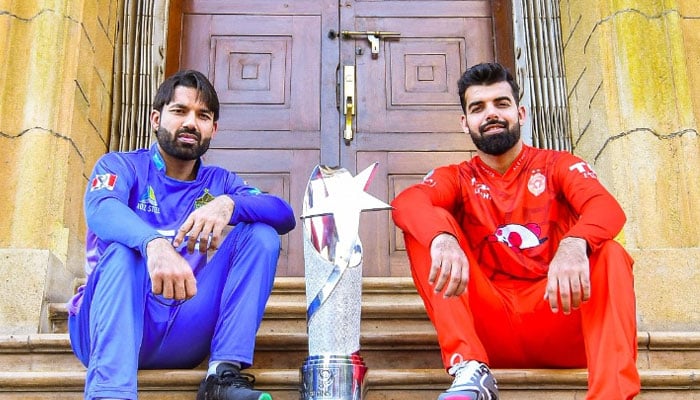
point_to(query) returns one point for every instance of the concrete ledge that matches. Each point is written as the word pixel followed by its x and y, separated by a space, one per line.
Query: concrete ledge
pixel 31 280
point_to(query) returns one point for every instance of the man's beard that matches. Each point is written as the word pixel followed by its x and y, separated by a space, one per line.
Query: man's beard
pixel 497 143
pixel 170 145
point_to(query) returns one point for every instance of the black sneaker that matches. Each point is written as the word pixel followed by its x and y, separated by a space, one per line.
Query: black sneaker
pixel 229 383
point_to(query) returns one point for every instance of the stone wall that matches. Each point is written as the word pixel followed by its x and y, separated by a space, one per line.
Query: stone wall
pixel 55 103
pixel 633 76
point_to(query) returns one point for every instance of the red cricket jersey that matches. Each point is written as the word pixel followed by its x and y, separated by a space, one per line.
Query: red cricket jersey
pixel 515 221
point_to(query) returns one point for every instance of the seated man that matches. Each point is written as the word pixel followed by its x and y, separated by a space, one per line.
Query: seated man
pixel 513 255
pixel 153 298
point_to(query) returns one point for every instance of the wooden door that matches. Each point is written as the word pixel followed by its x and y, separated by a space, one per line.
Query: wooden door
pixel 277 67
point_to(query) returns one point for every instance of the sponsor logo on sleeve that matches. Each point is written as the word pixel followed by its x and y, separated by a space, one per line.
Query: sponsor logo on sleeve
pixel 103 181
pixel 585 169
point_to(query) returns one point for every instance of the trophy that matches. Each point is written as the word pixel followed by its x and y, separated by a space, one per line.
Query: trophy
pixel 334 199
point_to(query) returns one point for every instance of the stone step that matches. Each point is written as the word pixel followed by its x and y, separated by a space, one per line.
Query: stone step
pixel 52 352
pixel 398 344
pixel 383 300
pixel 383 384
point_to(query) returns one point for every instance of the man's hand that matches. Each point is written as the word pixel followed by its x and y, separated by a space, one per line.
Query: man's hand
pixel 449 265
pixel 205 225
pixel 569 274
pixel 171 275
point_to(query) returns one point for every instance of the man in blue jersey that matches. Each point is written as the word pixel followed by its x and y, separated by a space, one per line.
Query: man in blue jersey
pixel 168 284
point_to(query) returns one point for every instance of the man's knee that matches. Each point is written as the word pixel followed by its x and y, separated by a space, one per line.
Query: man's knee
pixel 121 261
pixel 263 237
pixel 612 265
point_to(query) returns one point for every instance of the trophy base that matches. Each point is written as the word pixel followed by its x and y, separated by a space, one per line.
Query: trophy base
pixel 333 377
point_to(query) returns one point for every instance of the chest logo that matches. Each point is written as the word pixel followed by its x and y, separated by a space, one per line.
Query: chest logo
pixel 518 237
pixel 203 199
pixel 148 202
pixel 481 190
pixel 537 183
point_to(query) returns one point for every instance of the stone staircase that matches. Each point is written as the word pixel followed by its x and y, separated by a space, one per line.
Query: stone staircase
pixel 398 344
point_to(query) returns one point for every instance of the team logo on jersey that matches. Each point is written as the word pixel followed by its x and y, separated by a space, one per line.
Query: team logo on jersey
pixel 537 183
pixel 518 237
pixel 203 199
pixel 585 169
pixel 148 202
pixel 103 181
pixel 481 189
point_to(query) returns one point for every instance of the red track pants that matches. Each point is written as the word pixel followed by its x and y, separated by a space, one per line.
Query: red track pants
pixel 508 324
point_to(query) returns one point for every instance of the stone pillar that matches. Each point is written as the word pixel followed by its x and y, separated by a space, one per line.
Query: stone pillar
pixel 632 71
pixel 55 101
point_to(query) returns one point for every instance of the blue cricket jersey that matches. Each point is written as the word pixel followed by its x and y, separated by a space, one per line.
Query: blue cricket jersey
pixel 130 200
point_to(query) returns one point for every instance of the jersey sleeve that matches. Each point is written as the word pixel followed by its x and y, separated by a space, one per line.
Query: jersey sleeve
pixel 600 216
pixel 107 212
pixel 416 209
pixel 252 205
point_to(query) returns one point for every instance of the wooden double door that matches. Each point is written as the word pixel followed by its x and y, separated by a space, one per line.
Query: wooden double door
pixel 280 68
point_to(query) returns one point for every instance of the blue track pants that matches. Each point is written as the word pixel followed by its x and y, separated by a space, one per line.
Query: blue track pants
pixel 122 327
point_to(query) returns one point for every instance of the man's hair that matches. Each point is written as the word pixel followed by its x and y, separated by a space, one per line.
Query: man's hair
pixel 485 74
pixel 192 79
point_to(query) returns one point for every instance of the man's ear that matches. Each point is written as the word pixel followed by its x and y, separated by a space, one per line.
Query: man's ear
pixel 521 115
pixel 463 124
pixel 215 129
pixel 155 120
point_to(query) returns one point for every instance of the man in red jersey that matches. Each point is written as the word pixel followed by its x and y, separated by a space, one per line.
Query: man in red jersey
pixel 513 255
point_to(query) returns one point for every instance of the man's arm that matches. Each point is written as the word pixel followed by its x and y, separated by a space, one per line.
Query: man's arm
pixel 109 217
pixel 205 225
pixel 171 275
pixel 107 213
pixel 600 216
pixel 600 219
pixel 420 212
pixel 255 206
pixel 449 265
pixel 242 203
pixel 568 278
pixel 416 210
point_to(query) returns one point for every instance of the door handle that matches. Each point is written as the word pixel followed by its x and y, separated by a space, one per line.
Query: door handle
pixel 348 100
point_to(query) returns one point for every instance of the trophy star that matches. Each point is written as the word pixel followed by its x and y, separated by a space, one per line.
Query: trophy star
pixel 347 195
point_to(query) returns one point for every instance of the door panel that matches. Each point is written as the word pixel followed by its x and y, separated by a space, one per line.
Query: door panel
pixel 253 61
pixel 276 66
pixel 418 73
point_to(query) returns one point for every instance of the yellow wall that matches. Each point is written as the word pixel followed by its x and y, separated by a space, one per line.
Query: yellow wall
pixel 55 102
pixel 633 76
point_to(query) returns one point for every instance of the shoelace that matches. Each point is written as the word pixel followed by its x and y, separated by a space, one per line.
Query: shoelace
pixel 240 379
pixel 463 373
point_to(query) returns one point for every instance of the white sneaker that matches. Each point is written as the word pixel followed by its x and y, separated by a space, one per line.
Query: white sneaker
pixel 473 381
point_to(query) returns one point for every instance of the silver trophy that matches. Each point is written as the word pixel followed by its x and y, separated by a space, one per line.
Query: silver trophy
pixel 334 199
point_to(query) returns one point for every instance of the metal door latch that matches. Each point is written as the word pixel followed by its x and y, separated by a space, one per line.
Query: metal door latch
pixel 372 36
